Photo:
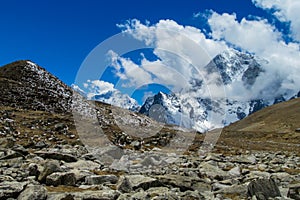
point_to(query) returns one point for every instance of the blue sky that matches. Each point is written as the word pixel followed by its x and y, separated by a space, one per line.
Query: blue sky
pixel 59 34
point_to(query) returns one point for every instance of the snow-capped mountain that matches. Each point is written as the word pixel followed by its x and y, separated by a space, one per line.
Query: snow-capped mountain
pixel 192 109
pixel 117 99
pixel 99 90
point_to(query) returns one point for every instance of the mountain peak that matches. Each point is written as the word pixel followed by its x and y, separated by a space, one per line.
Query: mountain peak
pixel 26 85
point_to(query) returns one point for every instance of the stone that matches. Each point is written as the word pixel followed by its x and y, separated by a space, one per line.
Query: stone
pixel 33 192
pixel 184 183
pixel 40 145
pixel 263 189
pixel 244 159
pixel 33 170
pixel 60 126
pixel 141 181
pixel 124 185
pixel 136 145
pixel 282 176
pixel 10 154
pixel 294 191
pixel 11 189
pixel 107 194
pixel 50 167
pixel 235 172
pixel 7 142
pixel 157 191
pixel 61 178
pixel 83 165
pixel 240 190
pixel 100 179
pixel 56 156
pixel 213 171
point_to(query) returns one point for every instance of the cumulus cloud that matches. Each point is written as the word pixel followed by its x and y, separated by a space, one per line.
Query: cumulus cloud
pixel 98 87
pixel 148 72
pixel 106 92
pixel 184 51
pixel 265 41
pixel 285 11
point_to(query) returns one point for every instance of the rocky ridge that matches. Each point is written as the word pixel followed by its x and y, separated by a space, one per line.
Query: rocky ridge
pixel 231 70
pixel 45 155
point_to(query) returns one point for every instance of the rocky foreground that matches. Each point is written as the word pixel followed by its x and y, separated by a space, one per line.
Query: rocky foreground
pixel 72 172
pixel 45 154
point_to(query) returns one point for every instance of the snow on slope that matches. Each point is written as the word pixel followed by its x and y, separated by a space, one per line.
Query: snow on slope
pixel 192 109
pixel 99 90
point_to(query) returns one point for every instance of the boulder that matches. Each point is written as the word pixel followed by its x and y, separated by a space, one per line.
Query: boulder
pixel 100 179
pixel 33 192
pixel 49 168
pixel 263 189
pixel 56 156
pixel 133 182
pixel 61 178
pixel 124 185
pixel 213 171
pixel 294 191
pixel 11 189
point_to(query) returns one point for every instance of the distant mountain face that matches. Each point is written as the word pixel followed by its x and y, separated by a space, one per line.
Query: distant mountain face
pixel 25 85
pixel 191 109
pixel 111 96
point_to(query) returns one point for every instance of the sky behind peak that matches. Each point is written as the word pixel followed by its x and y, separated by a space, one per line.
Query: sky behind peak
pixel 59 34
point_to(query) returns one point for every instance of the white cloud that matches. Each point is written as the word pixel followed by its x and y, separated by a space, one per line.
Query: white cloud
pixel 183 51
pixel 127 70
pixel 98 87
pixel 251 35
pixel 147 94
pixel 106 92
pixel 265 41
pixel 285 11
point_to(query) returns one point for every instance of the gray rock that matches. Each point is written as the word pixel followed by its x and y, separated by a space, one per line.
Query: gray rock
pixel 235 172
pixel 61 178
pixel 263 189
pixel 107 194
pixel 33 170
pixel 100 179
pixel 7 142
pixel 191 195
pixel 213 171
pixel 240 190
pixel 184 183
pixel 56 156
pixel 20 149
pixel 124 185
pixel 140 181
pixel 10 154
pixel 83 165
pixel 140 195
pixel 40 145
pixel 60 196
pixel 294 191
pixel 136 145
pixel 244 159
pixel 49 168
pixel 6 178
pixel 33 192
pixel 11 189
